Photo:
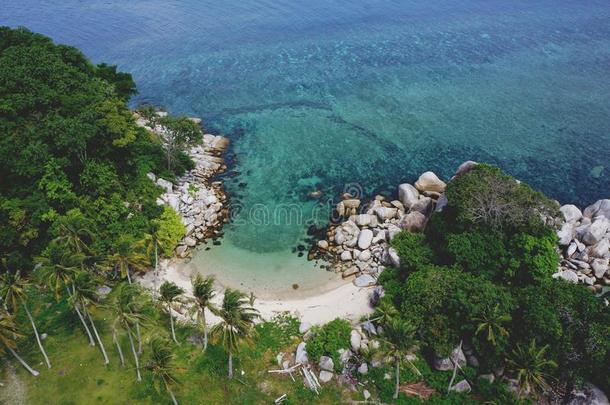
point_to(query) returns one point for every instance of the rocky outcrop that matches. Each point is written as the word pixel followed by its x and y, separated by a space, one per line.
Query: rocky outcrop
pixel 360 244
pixel 200 202
pixel 584 239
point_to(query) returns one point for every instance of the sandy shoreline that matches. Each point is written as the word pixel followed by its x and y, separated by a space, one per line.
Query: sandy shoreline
pixel 344 301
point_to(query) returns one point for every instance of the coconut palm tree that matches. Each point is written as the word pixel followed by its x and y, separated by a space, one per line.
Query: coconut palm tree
pixel 84 296
pixel 169 294
pixel 127 313
pixel 57 269
pixel 161 368
pixel 125 258
pixel 385 312
pixel 74 233
pixel 13 290
pixel 237 323
pixel 153 242
pixel 491 324
pixel 530 365
pixel 399 340
pixel 8 337
pixel 203 293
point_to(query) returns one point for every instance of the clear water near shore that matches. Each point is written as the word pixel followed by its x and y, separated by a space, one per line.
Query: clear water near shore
pixel 320 94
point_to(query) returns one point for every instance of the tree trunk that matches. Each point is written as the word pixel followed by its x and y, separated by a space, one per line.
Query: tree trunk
pixel 46 358
pixel 128 276
pixel 205 331
pixel 135 355
pixel 155 272
pixel 171 322
pixel 171 394
pixel 118 346
pixel 397 377
pixel 23 363
pixel 91 341
pixel 139 337
pixel 230 365
pixel 97 336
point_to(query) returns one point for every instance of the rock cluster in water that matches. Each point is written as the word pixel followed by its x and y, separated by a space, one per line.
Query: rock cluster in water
pixel 361 244
pixel 584 239
pixel 200 202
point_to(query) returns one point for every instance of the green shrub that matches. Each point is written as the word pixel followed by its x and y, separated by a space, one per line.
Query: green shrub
pixel 328 339
pixel 412 250
pixel 170 228
pixel 488 198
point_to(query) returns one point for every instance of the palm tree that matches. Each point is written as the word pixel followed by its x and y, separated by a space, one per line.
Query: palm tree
pixel 57 270
pixel 13 291
pixel 74 233
pixel 203 291
pixel 400 339
pixel 127 313
pixel 492 325
pixel 530 365
pixel 160 366
pixel 153 242
pixel 84 296
pixel 236 325
pixel 385 312
pixel 8 336
pixel 169 294
pixel 126 257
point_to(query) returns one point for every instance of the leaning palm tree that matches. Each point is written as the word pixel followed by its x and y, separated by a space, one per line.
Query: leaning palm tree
pixel 530 365
pixel 57 269
pixel 169 294
pixel 491 324
pixel 125 258
pixel 161 368
pixel 399 340
pixel 84 296
pixel 203 293
pixel 237 323
pixel 8 337
pixel 13 290
pixel 127 313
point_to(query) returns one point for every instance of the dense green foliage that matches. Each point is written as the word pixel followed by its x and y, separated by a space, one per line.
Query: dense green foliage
pixel 70 150
pixel 326 340
pixel 488 283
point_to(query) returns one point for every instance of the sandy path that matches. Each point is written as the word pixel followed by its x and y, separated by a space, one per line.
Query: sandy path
pixel 345 301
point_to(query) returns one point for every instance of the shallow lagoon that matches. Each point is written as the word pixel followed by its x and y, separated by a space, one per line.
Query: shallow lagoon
pixel 359 95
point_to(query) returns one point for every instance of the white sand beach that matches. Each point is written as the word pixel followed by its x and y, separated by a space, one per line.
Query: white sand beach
pixel 342 301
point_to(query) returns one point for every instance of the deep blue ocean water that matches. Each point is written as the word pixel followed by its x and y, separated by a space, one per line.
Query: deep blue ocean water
pixel 361 94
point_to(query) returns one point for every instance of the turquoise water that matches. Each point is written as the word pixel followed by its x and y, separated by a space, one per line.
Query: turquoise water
pixel 361 94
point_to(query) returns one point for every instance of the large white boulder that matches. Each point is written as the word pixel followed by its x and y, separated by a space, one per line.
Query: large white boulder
pixel 167 185
pixel 571 213
pixel 601 249
pixel 301 354
pixel 599 208
pixel 464 168
pixel 429 181
pixel 565 234
pixel 413 222
pixel 365 280
pixel 596 231
pixel 407 194
pixel 385 213
pixel 326 363
pixel 325 376
pixel 365 238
